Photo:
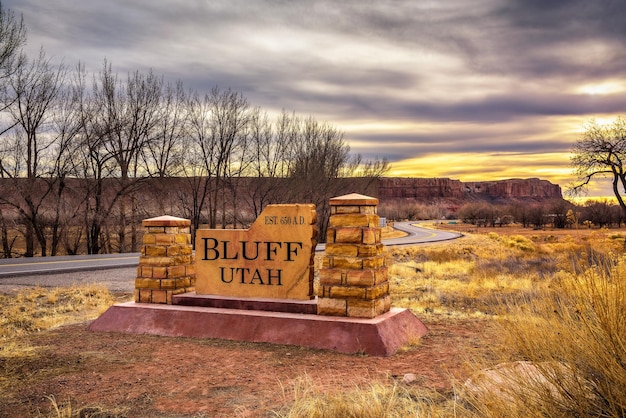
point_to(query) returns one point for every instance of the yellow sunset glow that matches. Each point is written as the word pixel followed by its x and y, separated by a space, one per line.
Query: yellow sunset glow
pixel 484 166
pixel 605 87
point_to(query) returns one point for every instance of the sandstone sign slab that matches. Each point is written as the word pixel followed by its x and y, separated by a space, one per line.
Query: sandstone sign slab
pixel 272 259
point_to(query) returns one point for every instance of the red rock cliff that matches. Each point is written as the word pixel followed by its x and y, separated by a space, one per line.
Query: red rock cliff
pixel 515 189
pixel 427 189
pixel 419 188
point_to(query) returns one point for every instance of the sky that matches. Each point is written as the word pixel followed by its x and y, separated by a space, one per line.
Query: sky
pixel 472 90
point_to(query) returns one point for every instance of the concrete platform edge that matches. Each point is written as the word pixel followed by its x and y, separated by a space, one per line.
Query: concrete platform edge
pixel 380 336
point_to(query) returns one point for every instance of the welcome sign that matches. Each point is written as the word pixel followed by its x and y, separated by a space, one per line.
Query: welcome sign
pixel 272 259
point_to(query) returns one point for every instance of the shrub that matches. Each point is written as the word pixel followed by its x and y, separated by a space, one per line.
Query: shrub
pixel 575 335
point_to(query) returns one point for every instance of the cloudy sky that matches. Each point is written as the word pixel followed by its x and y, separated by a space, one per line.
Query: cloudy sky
pixel 466 89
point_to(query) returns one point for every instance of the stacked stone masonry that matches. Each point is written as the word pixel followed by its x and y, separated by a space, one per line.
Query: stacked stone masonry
pixel 354 278
pixel 166 265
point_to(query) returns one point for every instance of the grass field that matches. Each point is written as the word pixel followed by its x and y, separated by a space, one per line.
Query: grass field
pixel 542 314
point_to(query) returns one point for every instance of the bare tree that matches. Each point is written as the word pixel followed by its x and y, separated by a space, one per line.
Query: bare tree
pixel 601 152
pixel 66 128
pixel 129 114
pixel 198 159
pixel 599 212
pixel 537 215
pixel 520 212
pixel 218 126
pixel 35 88
pixel 162 154
pixel 229 117
pixel 558 212
pixel 193 196
pixel 478 213
pixel 321 157
pixel 303 160
pixel 96 165
pixel 269 157
pixel 12 39
pixel 371 169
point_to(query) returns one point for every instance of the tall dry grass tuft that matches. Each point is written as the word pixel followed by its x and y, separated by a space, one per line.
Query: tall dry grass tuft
pixel 374 401
pixel 67 410
pixel 572 340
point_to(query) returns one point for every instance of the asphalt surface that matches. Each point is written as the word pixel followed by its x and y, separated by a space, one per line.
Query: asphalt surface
pixel 419 235
pixel 118 271
pixel 44 265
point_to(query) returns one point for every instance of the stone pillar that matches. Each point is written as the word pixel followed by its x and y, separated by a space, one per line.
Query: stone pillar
pixel 354 278
pixel 166 266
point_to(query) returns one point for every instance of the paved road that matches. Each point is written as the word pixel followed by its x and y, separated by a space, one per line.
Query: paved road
pixel 115 271
pixel 419 235
pixel 45 265
pixel 118 271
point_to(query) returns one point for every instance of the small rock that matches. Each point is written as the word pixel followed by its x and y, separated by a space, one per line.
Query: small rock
pixel 519 379
pixel 409 378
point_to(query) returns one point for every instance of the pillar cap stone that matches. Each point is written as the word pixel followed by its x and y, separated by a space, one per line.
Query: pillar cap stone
pixel 353 199
pixel 166 220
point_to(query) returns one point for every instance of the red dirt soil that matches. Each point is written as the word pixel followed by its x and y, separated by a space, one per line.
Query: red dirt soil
pixel 147 376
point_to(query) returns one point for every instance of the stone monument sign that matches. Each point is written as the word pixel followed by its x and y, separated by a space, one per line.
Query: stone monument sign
pixel 257 284
pixel 271 259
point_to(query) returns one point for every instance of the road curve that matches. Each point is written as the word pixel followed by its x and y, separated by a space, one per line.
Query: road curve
pixel 14 267
pixel 419 235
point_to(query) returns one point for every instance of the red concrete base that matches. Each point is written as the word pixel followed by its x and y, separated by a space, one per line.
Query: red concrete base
pixel 380 336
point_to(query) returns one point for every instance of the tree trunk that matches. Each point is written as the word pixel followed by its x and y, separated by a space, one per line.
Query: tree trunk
pixel 93 238
pixel 6 246
pixel 121 232
pixel 133 223
pixel 29 237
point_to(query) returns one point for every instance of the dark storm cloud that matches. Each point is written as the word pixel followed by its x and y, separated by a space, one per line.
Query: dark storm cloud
pixel 532 29
pixel 516 106
pixel 568 20
pixel 481 33
pixel 494 108
pixel 515 38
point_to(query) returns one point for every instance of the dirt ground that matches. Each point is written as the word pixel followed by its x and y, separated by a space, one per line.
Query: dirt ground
pixel 148 376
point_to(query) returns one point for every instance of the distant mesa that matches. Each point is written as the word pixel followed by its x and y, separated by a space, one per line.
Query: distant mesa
pixel 427 190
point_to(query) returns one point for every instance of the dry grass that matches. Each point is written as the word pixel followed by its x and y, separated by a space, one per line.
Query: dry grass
pixel 469 277
pixel 374 401
pixel 40 308
pixel 67 410
pixel 560 299
pixel 575 334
